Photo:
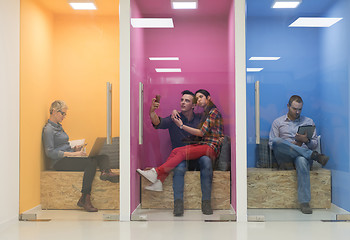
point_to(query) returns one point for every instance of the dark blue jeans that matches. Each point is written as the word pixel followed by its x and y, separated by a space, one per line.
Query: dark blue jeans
pixel 206 169
pixel 285 151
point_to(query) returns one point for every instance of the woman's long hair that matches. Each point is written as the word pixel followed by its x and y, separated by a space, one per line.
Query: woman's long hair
pixel 207 109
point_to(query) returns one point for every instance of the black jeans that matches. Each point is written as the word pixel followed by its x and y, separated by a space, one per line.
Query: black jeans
pixel 86 164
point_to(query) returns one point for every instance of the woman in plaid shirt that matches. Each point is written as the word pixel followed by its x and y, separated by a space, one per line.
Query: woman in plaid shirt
pixel 210 129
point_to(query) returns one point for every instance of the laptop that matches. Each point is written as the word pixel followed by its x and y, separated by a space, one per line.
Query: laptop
pixel 96 148
pixel 98 145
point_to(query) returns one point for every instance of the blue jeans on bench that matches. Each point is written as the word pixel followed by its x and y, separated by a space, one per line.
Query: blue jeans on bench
pixel 285 151
pixel 206 169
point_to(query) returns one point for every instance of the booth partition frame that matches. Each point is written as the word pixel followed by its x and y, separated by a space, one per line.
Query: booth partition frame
pixel 125 119
pixel 124 94
pixel 240 103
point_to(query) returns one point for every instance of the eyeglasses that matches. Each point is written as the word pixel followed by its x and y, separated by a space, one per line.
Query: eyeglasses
pixel 63 113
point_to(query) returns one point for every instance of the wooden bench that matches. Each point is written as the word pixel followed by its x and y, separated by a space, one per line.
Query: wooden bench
pixel 221 192
pixel 270 188
pixel 61 190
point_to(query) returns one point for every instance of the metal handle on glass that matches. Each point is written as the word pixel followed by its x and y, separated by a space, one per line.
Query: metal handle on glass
pixel 140 113
pixel 257 112
pixel 109 113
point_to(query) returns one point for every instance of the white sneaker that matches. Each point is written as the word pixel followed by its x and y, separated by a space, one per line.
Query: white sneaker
pixel 157 186
pixel 150 175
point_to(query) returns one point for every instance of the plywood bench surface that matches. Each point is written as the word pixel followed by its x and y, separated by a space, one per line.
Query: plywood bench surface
pixel 270 188
pixel 221 192
pixel 61 190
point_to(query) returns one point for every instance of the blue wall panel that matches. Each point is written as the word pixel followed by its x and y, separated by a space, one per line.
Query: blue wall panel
pixel 334 89
pixel 315 64
pixel 297 72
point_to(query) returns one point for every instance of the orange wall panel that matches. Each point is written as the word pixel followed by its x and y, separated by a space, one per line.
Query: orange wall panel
pixel 68 57
pixel 35 89
pixel 86 57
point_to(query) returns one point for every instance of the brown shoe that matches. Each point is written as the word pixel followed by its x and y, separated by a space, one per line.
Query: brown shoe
pixel 320 158
pixel 85 203
pixel 108 175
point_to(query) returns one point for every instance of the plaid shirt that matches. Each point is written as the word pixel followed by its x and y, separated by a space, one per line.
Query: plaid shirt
pixel 213 130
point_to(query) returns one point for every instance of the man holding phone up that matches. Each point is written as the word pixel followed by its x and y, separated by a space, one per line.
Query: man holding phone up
pixel 177 137
pixel 289 146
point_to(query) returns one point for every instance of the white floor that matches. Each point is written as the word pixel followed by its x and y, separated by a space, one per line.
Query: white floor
pixel 154 230
pixel 77 224
pixel 189 215
pixel 266 215
pixel 296 215
pixel 75 215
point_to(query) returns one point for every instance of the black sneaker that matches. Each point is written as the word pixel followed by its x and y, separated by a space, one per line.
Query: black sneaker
pixel 305 208
pixel 206 207
pixel 178 208
pixel 108 175
pixel 320 158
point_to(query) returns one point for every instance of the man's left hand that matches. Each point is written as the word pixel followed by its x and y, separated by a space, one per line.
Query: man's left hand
pixel 301 138
pixel 178 121
pixel 175 114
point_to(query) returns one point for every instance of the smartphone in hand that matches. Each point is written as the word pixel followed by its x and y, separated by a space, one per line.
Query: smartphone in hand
pixel 157 98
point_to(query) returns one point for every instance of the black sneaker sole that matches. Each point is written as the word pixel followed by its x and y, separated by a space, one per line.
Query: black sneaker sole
pixel 111 179
pixel 178 214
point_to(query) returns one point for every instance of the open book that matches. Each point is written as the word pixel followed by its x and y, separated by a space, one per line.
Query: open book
pixel 78 142
pixel 96 148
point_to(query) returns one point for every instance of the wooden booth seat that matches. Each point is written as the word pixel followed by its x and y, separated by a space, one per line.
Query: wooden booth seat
pixel 271 188
pixel 61 190
pixel 221 192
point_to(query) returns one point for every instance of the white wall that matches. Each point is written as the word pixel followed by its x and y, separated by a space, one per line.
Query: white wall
pixel 9 109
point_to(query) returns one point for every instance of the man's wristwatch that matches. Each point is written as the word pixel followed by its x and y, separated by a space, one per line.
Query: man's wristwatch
pixel 181 126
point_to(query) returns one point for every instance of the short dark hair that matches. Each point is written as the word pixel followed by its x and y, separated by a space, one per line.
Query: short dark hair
pixel 295 98
pixel 187 92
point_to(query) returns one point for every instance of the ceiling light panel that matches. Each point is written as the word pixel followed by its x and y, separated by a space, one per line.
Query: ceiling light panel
pixel 163 58
pixel 83 5
pixel 314 22
pixel 286 4
pixel 264 58
pixel 184 4
pixel 254 69
pixel 168 69
pixel 152 22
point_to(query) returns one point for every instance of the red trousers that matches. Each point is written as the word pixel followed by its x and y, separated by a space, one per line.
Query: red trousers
pixel 177 155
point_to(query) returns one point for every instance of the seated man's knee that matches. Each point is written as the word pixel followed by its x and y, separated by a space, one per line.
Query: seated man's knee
pixel 276 142
pixel 181 168
pixel 205 163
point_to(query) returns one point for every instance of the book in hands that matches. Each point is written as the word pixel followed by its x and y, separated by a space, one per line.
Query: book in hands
pixel 308 129
pixel 79 142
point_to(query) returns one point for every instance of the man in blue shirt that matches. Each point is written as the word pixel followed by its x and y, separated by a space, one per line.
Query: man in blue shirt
pixel 178 138
pixel 289 146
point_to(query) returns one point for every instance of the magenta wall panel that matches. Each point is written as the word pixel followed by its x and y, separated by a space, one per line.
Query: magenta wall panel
pixel 137 74
pixel 205 46
pixel 201 44
pixel 232 83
